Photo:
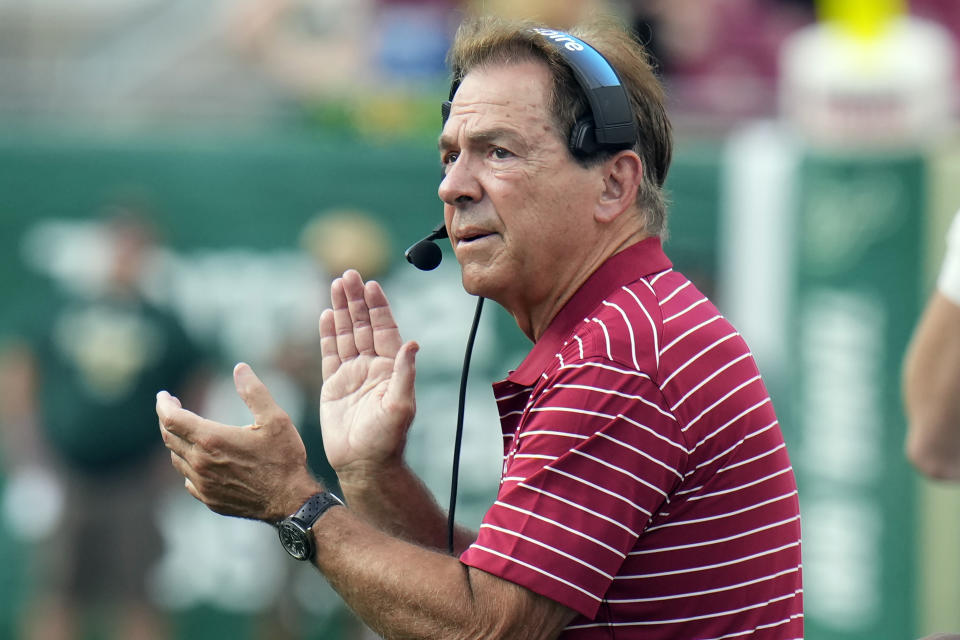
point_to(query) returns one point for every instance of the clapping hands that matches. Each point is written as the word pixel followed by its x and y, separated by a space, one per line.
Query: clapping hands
pixel 367 402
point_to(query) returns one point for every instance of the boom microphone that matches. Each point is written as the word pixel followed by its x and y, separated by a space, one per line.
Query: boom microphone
pixel 426 255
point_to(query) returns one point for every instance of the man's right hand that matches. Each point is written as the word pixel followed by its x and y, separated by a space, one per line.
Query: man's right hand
pixel 367 402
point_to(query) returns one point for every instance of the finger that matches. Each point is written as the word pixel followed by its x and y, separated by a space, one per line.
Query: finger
pixel 329 356
pixel 175 419
pixel 256 396
pixel 343 324
pixel 359 313
pixel 401 391
pixel 175 399
pixel 177 445
pixel 180 464
pixel 192 490
pixel 386 334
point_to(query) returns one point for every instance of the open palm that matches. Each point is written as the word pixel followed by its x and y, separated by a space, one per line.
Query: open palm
pixel 367 401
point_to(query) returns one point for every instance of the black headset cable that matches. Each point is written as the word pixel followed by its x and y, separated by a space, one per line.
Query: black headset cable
pixel 458 439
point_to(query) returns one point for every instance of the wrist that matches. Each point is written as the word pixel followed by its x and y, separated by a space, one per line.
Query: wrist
pixel 293 498
pixel 367 474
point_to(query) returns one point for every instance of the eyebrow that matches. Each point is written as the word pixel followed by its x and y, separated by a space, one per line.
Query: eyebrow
pixel 483 137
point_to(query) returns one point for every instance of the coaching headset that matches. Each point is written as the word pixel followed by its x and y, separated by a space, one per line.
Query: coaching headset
pixel 609 126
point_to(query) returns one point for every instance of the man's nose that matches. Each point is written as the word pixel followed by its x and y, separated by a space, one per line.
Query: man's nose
pixel 459 185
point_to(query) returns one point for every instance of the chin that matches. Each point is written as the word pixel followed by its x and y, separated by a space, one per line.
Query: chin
pixel 480 282
pixel 472 286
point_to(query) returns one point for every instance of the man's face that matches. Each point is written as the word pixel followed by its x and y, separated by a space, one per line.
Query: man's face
pixel 517 205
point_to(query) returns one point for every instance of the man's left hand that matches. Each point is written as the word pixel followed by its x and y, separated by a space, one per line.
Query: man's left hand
pixel 257 471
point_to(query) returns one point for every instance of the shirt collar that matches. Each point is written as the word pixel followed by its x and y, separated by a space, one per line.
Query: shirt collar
pixel 636 261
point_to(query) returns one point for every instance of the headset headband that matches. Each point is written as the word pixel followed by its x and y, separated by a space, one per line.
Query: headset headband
pixel 613 125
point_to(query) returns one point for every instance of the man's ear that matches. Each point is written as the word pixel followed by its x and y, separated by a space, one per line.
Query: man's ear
pixel 621 179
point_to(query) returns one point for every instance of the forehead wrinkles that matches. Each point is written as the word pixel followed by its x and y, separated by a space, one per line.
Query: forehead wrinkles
pixel 516 94
pixel 480 119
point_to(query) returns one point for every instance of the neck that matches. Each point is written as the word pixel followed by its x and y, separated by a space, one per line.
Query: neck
pixel 534 317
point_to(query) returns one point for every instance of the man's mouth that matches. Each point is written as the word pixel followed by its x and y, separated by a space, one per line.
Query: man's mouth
pixel 472 236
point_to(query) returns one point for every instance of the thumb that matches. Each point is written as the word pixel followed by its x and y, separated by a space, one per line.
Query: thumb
pixel 401 390
pixel 255 395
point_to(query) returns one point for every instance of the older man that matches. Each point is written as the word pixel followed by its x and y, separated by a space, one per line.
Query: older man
pixel 646 490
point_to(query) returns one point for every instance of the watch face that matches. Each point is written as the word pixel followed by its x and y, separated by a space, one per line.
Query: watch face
pixel 295 539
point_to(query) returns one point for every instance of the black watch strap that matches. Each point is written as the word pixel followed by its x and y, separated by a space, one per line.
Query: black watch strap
pixel 315 507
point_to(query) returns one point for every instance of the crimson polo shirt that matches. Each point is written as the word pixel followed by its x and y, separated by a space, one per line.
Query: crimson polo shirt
pixel 645 482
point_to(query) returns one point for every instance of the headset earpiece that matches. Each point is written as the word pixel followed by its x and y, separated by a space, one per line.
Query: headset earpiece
pixel 583 138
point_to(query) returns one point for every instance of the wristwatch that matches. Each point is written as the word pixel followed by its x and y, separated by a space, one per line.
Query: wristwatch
pixel 295 535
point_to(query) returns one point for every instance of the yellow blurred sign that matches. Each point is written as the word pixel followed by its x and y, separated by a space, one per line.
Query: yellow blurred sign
pixel 866 19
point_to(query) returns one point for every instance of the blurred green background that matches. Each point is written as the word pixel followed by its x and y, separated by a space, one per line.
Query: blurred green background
pixel 240 123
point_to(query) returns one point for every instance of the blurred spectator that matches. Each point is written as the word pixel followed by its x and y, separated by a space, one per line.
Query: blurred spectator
pixel 149 59
pixel 559 15
pixel 75 431
pixel 308 46
pixel 365 65
pixel 719 56
pixel 412 38
pixel 947 14
pixel 931 375
pixel 334 241
pixel 868 76
pixel 323 48
pixel 126 61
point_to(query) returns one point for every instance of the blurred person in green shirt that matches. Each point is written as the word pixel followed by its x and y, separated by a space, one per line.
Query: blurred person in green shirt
pixel 89 365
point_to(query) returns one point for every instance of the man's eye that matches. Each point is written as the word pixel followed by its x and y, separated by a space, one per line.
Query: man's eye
pixel 449 158
pixel 500 153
